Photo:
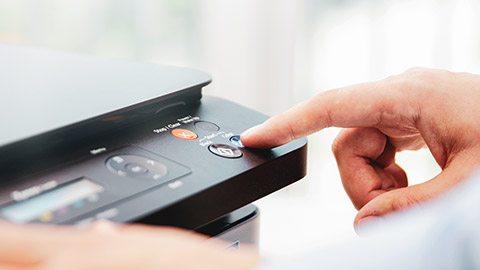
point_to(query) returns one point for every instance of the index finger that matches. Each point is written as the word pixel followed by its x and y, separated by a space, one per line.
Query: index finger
pixel 362 105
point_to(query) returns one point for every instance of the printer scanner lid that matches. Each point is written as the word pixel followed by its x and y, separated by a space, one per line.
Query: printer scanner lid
pixel 44 90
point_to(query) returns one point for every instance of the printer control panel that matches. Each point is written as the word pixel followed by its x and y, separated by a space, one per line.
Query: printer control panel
pixel 182 168
pixel 128 142
pixel 96 183
pixel 137 167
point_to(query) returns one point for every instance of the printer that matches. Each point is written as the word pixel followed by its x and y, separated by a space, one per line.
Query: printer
pixel 86 138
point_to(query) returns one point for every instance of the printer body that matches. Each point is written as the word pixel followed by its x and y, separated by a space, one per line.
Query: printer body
pixel 85 138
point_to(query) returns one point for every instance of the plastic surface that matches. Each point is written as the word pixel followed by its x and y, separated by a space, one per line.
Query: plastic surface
pixel 44 90
pixel 147 174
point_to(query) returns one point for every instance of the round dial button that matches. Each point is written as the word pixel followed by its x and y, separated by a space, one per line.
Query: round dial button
pixel 225 151
pixel 207 126
pixel 184 134
pixel 137 166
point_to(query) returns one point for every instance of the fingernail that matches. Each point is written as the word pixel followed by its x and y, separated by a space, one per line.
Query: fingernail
pixel 361 228
pixel 367 219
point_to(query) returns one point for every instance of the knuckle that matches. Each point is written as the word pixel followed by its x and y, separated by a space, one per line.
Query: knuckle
pixel 423 76
pixel 416 83
pixel 358 204
pixel 414 77
pixel 338 144
pixel 360 141
pixel 415 70
pixel 292 134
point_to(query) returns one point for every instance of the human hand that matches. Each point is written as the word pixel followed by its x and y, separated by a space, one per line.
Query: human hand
pixel 421 107
pixel 109 246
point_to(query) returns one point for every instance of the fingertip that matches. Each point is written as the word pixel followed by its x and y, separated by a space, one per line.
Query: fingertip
pixel 362 225
pixel 255 137
pixel 251 131
pixel 360 222
pixel 248 136
pixel 374 210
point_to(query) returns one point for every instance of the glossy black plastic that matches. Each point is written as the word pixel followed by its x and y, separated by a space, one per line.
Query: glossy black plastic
pixel 198 186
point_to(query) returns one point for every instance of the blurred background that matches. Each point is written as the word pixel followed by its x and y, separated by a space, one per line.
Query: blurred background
pixel 270 55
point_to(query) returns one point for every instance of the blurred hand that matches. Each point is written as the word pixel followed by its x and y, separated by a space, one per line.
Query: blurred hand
pixel 421 107
pixel 108 246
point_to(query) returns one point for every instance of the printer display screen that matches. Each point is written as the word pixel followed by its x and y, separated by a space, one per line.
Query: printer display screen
pixel 57 201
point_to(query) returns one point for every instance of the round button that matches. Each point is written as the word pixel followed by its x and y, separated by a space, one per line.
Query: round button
pixel 135 168
pixel 184 134
pixel 236 141
pixel 225 151
pixel 207 126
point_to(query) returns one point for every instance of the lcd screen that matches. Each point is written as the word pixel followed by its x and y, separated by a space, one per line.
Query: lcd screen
pixel 31 209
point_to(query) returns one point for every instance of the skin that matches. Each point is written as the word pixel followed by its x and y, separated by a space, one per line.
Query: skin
pixel 419 108
pixel 110 246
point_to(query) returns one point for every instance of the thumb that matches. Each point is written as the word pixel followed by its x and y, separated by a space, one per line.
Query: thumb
pixel 399 199
pixel 392 201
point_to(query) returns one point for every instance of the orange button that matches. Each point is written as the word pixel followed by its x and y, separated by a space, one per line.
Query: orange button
pixel 184 134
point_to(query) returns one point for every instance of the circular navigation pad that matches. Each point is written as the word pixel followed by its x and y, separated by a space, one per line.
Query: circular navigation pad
pixel 136 166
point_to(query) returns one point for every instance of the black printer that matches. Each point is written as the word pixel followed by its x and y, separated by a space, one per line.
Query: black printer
pixel 85 138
